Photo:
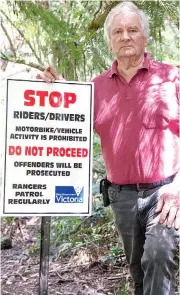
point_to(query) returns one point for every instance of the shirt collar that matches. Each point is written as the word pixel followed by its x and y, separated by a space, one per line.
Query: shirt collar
pixel 146 65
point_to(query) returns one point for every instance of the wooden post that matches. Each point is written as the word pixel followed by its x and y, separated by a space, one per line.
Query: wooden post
pixel 44 255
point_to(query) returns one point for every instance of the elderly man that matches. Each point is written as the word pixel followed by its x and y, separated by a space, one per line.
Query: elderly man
pixel 136 117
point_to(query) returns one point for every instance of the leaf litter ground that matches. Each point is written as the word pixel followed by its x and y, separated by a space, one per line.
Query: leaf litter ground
pixel 72 274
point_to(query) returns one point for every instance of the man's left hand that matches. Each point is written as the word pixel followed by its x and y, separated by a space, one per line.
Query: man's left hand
pixel 169 206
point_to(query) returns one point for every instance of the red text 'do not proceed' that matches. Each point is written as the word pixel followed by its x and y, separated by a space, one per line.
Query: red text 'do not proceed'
pixel 67 152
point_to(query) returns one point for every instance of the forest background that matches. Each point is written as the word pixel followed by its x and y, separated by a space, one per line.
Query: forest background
pixel 69 36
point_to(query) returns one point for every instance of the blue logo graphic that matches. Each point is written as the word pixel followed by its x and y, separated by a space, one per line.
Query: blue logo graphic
pixel 69 194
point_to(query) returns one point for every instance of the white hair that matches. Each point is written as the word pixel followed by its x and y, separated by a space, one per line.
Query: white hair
pixel 124 7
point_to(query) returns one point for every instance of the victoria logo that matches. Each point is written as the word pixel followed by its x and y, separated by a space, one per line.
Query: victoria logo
pixel 69 194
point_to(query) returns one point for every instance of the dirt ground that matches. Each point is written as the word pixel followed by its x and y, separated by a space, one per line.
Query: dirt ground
pixel 69 275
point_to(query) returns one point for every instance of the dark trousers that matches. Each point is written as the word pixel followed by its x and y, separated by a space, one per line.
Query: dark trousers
pixel 150 247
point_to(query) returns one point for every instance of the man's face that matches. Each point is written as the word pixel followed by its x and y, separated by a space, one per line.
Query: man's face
pixel 126 36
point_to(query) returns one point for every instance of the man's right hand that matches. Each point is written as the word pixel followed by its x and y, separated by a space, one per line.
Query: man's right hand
pixel 49 75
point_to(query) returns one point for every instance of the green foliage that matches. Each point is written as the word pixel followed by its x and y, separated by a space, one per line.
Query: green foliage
pixel 72 233
pixel 125 290
pixel 98 163
pixel 7 220
pixel 113 256
pixel 168 49
pixel 34 250
pixel 69 35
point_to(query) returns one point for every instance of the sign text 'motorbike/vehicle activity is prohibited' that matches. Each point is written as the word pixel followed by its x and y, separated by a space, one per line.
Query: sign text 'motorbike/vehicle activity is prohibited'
pixel 48 148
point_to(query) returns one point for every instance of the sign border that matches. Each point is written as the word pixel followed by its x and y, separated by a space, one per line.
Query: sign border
pixel 90 152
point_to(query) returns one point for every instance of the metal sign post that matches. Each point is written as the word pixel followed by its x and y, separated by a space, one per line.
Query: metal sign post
pixel 44 255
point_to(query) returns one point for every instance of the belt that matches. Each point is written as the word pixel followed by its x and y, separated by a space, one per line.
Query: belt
pixel 143 186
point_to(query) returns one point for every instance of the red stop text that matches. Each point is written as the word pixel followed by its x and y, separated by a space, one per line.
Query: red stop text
pixel 43 98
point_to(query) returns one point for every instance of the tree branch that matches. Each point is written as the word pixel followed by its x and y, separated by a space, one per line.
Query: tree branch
pixel 9 39
pixel 22 35
pixel 97 11
pixel 22 61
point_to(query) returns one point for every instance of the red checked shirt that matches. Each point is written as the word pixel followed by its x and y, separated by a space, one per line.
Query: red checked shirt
pixel 138 122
